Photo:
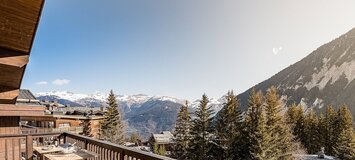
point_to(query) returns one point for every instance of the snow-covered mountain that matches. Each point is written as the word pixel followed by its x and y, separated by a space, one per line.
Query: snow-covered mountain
pixel 98 99
pixel 217 104
pixel 129 102
pixel 324 77
pixel 144 114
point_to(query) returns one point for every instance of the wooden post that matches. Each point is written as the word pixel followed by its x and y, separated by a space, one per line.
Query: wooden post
pixel 122 154
pixel 64 138
pixel 29 147
pixel 86 144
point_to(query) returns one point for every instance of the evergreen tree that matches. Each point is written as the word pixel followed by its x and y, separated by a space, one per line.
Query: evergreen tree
pixel 279 134
pixel 135 138
pixel 201 131
pixel 310 140
pixel 86 124
pixel 295 119
pixel 257 140
pixel 155 148
pixel 112 127
pixel 322 131
pixel 345 145
pixel 329 132
pixel 162 150
pixel 228 128
pixel 345 148
pixel 291 115
pixel 344 119
pixel 182 133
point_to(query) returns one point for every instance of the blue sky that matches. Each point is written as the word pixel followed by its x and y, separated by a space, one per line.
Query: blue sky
pixel 179 48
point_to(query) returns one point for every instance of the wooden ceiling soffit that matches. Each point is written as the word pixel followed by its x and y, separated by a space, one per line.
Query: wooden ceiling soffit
pixel 18 23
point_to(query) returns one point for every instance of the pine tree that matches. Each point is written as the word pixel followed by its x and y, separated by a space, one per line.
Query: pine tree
pixel 322 131
pixel 201 131
pixel 155 148
pixel 135 138
pixel 311 133
pixel 112 127
pixel 257 140
pixel 329 134
pixel 345 148
pixel 162 150
pixel 86 124
pixel 280 135
pixel 295 119
pixel 291 115
pixel 345 145
pixel 228 128
pixel 182 133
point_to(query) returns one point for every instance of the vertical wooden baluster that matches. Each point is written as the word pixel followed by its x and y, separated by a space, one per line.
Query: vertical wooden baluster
pixel 122 155
pixel 29 147
pixel 13 148
pixel 6 151
pixel 19 147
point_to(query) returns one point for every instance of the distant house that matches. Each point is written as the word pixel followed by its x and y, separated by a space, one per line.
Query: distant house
pixel 54 120
pixel 25 97
pixel 165 139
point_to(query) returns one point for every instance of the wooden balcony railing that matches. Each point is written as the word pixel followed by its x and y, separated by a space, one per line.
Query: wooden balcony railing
pixel 20 146
pixel 76 130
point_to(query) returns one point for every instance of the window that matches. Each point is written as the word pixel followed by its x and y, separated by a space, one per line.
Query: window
pixel 64 125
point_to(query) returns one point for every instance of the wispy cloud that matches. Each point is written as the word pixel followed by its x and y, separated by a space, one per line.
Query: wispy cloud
pixel 276 50
pixel 60 82
pixel 42 83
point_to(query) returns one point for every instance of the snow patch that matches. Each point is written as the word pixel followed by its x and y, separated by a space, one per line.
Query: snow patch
pixel 318 103
pixel 346 51
pixel 331 75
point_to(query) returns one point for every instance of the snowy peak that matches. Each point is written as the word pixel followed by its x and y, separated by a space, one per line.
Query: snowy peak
pixel 99 98
pixel 71 95
pixel 217 104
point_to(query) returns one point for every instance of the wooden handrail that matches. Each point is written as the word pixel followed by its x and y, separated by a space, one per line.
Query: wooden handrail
pixel 34 135
pixel 122 150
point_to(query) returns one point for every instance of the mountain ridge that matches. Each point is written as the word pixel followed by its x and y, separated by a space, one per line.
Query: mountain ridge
pixel 142 113
pixel 324 77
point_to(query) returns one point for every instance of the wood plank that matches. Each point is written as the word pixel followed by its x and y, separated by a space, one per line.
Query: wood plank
pixel 12 107
pixel 16 61
pixel 18 23
pixel 11 76
pixel 9 95
pixel 21 113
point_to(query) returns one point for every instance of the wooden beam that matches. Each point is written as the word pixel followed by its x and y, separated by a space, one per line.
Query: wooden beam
pixel 21 113
pixel 13 107
pixel 9 95
pixel 16 61
pixel 10 76
pixel 21 110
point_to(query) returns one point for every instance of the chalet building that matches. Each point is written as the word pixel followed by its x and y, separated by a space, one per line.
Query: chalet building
pixel 26 97
pixel 55 120
pixel 61 123
pixel 18 24
pixel 165 139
